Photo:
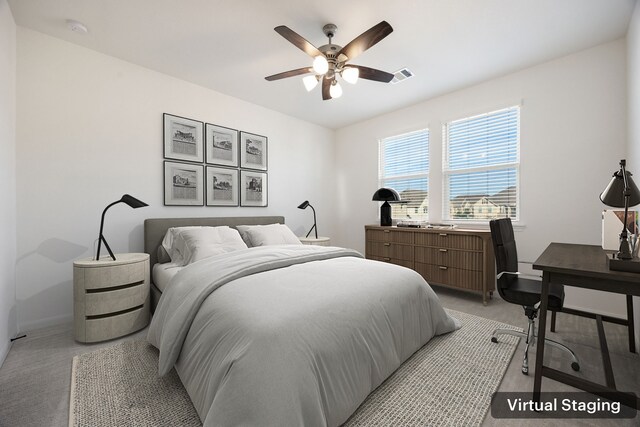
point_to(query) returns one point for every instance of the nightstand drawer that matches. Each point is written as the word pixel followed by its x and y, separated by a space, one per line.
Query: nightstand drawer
pixel 117 275
pixel 112 326
pixel 465 260
pixel 110 301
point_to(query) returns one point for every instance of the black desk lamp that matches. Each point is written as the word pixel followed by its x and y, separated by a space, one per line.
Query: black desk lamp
pixel 386 195
pixel 304 205
pixel 622 192
pixel 129 200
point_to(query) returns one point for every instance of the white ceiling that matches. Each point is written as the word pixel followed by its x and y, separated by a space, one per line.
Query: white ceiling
pixel 230 45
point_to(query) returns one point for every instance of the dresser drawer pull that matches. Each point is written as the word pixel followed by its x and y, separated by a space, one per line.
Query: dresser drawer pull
pixel 443 234
pixel 442 250
pixel 386 231
pixel 442 267
pixel 387 259
pixel 387 244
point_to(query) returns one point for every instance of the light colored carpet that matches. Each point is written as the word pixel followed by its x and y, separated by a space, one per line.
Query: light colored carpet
pixel 448 382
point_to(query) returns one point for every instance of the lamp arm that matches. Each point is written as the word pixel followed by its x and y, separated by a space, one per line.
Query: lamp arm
pixel 624 252
pixel 314 223
pixel 101 237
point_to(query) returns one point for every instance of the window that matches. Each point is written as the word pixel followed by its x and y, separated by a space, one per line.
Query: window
pixel 404 166
pixel 481 166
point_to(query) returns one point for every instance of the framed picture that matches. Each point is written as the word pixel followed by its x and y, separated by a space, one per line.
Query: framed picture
pixel 221 145
pixel 253 188
pixel 222 186
pixel 183 184
pixel 253 151
pixel 183 139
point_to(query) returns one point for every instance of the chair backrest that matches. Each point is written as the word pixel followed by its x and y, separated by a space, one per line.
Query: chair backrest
pixel 504 248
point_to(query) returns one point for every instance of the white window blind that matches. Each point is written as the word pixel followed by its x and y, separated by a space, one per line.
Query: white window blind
pixel 481 166
pixel 404 166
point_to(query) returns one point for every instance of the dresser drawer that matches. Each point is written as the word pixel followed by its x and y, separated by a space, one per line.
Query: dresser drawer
pixel 450 276
pixel 389 236
pixel 465 260
pixel 390 250
pixel 449 241
pixel 402 262
pixel 110 301
pixel 117 275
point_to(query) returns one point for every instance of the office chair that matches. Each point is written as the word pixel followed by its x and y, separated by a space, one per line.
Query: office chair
pixel 525 292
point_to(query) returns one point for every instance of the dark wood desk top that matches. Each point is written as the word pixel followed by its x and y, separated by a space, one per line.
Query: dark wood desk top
pixel 585 260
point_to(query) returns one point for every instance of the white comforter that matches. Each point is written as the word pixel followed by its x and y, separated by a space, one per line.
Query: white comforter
pixel 290 335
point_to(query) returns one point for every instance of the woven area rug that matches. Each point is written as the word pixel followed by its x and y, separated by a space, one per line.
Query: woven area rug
pixel 448 382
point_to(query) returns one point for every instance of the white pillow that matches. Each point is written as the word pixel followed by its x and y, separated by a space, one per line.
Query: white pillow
pixel 182 253
pixel 169 242
pixel 264 235
pixel 205 242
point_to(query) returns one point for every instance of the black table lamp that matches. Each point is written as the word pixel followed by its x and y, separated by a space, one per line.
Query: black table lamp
pixel 304 205
pixel 386 195
pixel 622 192
pixel 129 200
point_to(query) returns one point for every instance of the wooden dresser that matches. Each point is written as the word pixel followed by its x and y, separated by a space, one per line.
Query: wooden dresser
pixel 455 258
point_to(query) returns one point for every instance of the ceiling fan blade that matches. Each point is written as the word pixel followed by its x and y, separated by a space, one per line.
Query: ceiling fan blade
pixel 290 73
pixel 365 40
pixel 326 89
pixel 298 41
pixel 372 74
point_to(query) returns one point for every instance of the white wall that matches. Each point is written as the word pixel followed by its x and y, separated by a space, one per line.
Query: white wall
pixel 89 129
pixel 573 132
pixel 633 139
pixel 7 178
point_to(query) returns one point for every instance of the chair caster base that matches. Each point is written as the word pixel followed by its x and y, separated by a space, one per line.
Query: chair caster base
pixel 575 366
pixel 525 371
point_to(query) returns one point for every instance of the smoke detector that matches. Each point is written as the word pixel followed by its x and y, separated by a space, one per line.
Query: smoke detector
pixel 77 26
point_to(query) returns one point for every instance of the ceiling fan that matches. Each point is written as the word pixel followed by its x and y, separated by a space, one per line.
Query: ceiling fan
pixel 331 60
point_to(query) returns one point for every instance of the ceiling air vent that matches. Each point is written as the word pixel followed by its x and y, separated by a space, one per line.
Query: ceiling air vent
pixel 401 75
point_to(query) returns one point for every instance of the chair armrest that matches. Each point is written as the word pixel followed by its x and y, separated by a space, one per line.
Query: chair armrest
pixel 507 272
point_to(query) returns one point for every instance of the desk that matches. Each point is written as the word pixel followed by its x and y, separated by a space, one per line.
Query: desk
pixel 583 266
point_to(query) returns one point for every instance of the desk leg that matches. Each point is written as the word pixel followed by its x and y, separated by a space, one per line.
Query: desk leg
pixel 631 326
pixel 542 326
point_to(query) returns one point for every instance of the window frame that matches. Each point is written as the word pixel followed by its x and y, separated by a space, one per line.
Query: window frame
pixel 447 172
pixel 422 175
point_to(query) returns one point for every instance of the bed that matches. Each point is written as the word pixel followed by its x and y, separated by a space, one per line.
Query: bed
pixel 286 335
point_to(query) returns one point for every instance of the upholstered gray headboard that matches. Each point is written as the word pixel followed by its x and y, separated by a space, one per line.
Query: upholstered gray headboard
pixel 156 228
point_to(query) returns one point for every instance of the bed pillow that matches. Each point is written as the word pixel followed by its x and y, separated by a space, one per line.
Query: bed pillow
pixel 169 243
pixel 205 242
pixel 264 235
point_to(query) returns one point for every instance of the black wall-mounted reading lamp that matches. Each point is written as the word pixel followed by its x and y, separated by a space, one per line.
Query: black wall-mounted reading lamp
pixel 129 200
pixel 622 192
pixel 304 205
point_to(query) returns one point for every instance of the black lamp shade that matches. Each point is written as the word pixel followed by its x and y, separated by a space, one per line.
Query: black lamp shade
pixel 133 202
pixel 386 195
pixel 304 205
pixel 613 195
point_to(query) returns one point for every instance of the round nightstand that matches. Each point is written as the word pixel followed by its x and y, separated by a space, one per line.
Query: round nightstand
pixel 320 241
pixel 110 298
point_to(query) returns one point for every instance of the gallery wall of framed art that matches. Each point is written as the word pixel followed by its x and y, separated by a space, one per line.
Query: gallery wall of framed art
pixel 212 165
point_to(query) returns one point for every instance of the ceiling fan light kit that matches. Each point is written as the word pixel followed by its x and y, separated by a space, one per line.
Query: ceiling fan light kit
pixel 330 60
